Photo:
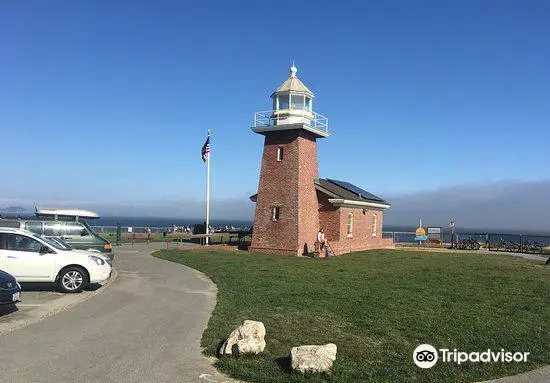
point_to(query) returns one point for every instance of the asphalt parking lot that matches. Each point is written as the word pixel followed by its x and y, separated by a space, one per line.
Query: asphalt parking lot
pixel 40 300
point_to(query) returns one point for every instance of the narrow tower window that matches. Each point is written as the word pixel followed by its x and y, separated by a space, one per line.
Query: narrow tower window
pixel 280 151
pixel 374 224
pixel 350 224
pixel 275 213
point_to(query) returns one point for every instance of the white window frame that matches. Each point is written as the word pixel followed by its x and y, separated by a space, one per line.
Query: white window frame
pixel 350 225
pixel 374 228
pixel 280 153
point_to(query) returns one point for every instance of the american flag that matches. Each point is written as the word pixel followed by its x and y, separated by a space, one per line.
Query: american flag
pixel 206 149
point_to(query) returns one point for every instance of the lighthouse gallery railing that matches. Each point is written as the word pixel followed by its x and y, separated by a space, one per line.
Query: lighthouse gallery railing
pixel 269 118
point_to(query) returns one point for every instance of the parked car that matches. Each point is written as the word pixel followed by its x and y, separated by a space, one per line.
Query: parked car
pixel 10 290
pixel 66 246
pixel 31 258
pixel 77 234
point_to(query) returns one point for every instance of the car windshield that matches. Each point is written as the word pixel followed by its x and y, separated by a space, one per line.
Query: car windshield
pixel 88 227
pixel 50 242
pixel 61 242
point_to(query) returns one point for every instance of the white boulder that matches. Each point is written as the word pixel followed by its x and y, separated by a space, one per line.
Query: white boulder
pixel 248 338
pixel 313 358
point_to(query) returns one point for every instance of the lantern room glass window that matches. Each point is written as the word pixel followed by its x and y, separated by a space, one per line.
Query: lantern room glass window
pixel 308 103
pixel 297 101
pixel 283 101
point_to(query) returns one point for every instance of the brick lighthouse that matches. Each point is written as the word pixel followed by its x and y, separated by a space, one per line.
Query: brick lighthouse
pixel 286 219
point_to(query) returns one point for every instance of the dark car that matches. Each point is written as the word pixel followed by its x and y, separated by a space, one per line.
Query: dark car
pixel 9 289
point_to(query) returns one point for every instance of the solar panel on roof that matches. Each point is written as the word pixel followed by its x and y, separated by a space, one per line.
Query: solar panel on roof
pixel 356 190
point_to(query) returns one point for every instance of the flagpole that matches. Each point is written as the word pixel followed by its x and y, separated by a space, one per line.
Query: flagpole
pixel 207 192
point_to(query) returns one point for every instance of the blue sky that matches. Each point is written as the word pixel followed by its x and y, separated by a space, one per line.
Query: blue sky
pixel 109 102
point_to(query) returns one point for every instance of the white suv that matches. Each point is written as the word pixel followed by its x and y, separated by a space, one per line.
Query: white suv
pixel 31 258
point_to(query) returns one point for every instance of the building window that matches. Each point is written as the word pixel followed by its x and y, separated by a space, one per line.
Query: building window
pixel 308 103
pixel 283 101
pixel 374 224
pixel 280 151
pixel 297 101
pixel 350 224
pixel 275 213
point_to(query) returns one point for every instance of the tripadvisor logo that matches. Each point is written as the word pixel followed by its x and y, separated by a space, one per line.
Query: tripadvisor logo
pixel 426 356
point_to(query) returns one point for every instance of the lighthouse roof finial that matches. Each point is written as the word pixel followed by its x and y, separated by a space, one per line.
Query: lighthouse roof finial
pixel 293 84
pixel 293 70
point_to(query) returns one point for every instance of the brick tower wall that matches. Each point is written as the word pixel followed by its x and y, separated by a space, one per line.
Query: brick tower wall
pixel 289 185
pixel 308 213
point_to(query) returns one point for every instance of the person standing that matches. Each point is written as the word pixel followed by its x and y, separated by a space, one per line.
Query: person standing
pixel 321 239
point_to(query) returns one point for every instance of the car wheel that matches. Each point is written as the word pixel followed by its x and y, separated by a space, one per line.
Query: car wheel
pixel 72 279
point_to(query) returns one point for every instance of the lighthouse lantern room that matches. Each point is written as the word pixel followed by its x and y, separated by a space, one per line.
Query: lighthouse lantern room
pixel 292 109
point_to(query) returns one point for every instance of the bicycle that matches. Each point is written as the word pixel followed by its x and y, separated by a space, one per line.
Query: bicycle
pixel 473 244
pixel 508 246
pixel 534 248
pixel 466 244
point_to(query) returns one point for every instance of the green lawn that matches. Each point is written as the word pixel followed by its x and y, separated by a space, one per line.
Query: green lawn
pixel 377 306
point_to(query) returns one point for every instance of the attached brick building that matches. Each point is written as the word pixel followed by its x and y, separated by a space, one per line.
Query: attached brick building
pixel 292 201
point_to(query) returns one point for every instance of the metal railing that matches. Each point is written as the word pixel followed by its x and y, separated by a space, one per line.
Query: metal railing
pixel 269 118
pixel 488 241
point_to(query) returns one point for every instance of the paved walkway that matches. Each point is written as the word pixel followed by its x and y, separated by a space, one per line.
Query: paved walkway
pixel 145 327
pixel 540 375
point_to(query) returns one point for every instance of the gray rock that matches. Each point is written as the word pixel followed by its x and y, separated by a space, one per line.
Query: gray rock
pixel 248 338
pixel 313 358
